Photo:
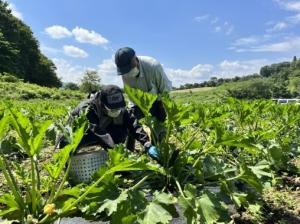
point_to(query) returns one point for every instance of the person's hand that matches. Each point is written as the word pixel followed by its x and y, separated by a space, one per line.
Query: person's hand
pixel 152 151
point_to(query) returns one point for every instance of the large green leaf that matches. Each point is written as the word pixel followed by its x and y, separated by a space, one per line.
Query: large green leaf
pixel 128 210
pixel 208 206
pixel 21 124
pixel 155 213
pixel 213 167
pixel 11 206
pixel 176 113
pixel 111 206
pixel 188 203
pixel 61 158
pixel 276 154
pixel 37 140
pixel 3 126
pixel 262 169
pixel 140 98
pixel 249 177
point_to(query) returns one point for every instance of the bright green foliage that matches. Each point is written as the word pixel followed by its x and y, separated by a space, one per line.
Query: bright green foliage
pixel 225 153
pixel 30 134
pixel 26 91
pixel 25 200
pixel 143 100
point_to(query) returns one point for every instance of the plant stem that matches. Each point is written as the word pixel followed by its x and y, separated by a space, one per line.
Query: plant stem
pixel 137 185
pixel 57 192
pixel 182 194
pixel 37 175
pixel 81 197
pixel 33 186
pixel 12 183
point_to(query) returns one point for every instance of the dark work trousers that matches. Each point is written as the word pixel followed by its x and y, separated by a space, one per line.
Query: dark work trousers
pixel 157 110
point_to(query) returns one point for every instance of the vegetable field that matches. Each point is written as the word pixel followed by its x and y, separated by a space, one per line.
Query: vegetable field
pixel 227 162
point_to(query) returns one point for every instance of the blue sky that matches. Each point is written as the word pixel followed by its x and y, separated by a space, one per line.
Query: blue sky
pixel 194 40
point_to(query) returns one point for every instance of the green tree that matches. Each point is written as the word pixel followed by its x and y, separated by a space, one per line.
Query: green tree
pixel 20 53
pixel 259 88
pixel 8 55
pixel 90 82
pixel 295 86
pixel 71 86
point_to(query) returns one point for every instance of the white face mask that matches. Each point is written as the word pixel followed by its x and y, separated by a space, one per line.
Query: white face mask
pixel 113 112
pixel 132 73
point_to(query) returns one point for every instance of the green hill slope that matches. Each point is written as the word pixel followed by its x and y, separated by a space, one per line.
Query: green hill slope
pixel 26 91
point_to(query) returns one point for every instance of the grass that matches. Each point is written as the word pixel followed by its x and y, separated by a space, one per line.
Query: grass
pixel 27 91
pixel 199 95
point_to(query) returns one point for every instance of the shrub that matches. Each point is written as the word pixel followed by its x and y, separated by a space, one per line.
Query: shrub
pixel 252 89
pixel 28 94
pixel 7 77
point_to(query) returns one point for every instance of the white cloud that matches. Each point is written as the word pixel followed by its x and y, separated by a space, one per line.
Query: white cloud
pixel 288 45
pixel 246 41
pixel 288 21
pixel 225 69
pixel 67 71
pixel 201 18
pixel 278 27
pixel 86 36
pixel 294 19
pixel 15 11
pixel 74 52
pixel 228 69
pixel 58 32
pixel 198 73
pixel 108 72
pixel 267 43
pixel 289 5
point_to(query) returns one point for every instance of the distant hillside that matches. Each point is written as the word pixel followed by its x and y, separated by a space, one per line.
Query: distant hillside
pixel 20 54
pixel 27 91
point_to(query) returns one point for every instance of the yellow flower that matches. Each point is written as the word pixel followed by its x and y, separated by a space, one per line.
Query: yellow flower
pixel 49 209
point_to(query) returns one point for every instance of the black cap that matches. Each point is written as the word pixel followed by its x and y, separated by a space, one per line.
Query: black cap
pixel 112 97
pixel 123 59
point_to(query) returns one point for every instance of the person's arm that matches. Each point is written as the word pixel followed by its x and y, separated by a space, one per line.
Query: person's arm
pixel 164 85
pixel 95 135
pixel 135 129
pixel 138 132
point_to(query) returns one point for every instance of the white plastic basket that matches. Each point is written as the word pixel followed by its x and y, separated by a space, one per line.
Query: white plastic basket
pixel 84 165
